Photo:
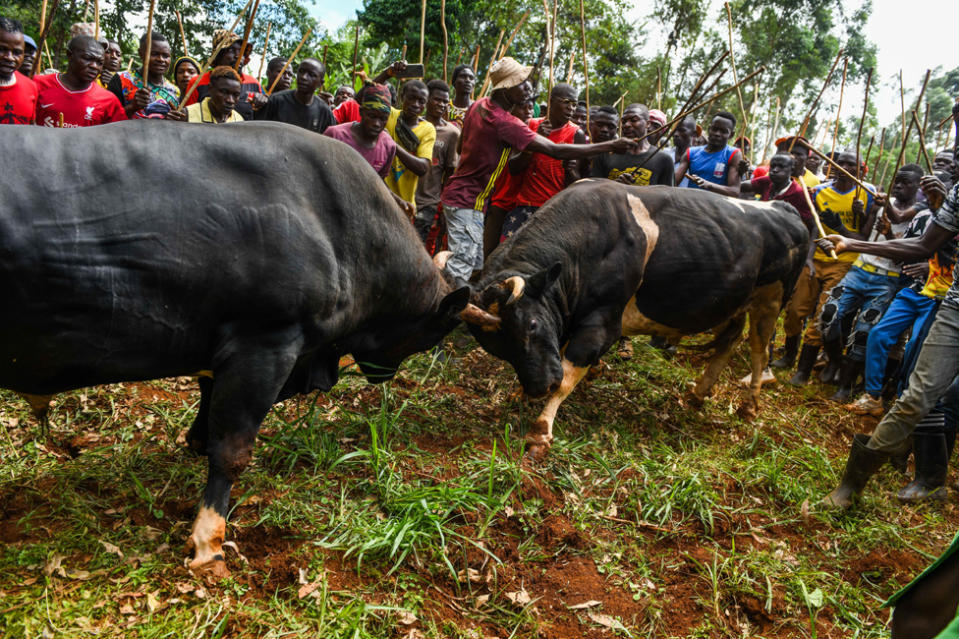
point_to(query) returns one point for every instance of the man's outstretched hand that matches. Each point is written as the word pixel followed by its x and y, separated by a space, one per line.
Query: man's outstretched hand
pixel 625 145
pixel 832 243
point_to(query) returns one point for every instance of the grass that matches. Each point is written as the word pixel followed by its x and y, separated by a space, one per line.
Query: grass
pixel 407 510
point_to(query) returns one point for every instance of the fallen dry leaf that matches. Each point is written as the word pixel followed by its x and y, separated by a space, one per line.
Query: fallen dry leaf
pixel 306 589
pixel 153 604
pixel 127 609
pixel 606 621
pixel 110 548
pixel 470 574
pixel 55 565
pixel 520 598
pixel 592 603
pixel 481 600
pixel 184 588
pixel 406 617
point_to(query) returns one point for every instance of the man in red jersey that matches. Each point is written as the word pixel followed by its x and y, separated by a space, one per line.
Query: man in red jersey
pixel 18 94
pixel 73 98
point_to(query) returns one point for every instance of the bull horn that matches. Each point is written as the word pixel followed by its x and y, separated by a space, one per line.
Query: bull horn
pixel 441 258
pixel 515 286
pixel 473 314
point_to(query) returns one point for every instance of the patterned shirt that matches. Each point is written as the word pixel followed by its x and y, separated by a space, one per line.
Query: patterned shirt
pixel 947 217
pixel 163 97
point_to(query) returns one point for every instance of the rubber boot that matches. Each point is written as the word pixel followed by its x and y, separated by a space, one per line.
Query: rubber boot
pixel 848 374
pixel 790 348
pixel 807 359
pixel 862 464
pixel 932 463
pixel 830 374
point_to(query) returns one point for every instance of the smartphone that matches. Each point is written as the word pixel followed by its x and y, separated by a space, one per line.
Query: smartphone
pixel 411 71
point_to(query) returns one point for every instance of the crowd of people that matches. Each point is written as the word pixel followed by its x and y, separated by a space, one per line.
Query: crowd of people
pixel 469 172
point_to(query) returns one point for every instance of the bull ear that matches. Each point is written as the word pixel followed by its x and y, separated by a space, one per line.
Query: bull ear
pixel 538 283
pixel 454 302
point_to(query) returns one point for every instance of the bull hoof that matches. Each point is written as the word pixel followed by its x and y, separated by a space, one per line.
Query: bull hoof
pixel 214 568
pixel 747 412
pixel 536 452
pixel 196 444
pixel 694 400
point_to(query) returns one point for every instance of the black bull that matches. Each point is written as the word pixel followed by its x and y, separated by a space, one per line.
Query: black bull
pixel 259 252
pixel 601 260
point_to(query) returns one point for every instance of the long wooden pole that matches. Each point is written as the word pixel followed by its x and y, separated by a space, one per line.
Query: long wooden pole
pixel 815 217
pixel 922 142
pixel 422 29
pixel 732 62
pixel 45 22
pixel 882 144
pixel 149 45
pixel 239 17
pixel 922 131
pixel 519 25
pixel 446 40
pixel 246 36
pixel 842 91
pixel 902 106
pixel 771 132
pixel 702 78
pixel 862 121
pixel 356 48
pixel 582 27
pixel 266 47
pixel 96 19
pixel 815 104
pixel 499 41
pixel 306 35
pixel 849 175
pixel 865 160
pixel 549 41
pixel 906 131
pixel 179 20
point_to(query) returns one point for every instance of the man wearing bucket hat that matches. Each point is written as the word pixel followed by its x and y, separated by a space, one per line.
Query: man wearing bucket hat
pixel 226 49
pixel 490 135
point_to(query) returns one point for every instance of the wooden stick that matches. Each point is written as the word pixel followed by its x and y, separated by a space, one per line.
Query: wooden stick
pixel 475 64
pixel 772 132
pixel 459 57
pixel 922 142
pixel 942 122
pixel 308 33
pixel 865 160
pixel 902 105
pixel 882 144
pixel 356 46
pixel 45 23
pixel 622 107
pixel 732 62
pixel 96 19
pixel 862 121
pixel 422 29
pixel 246 8
pixel 569 71
pixel 815 217
pixel 519 25
pixel 582 27
pixel 246 37
pixel 502 32
pixel 446 40
pixel 842 91
pixel 130 67
pixel 922 131
pixel 702 78
pixel 549 44
pixel 815 104
pixel 266 47
pixel 149 45
pixel 46 47
pixel 749 129
pixel 179 20
pixel 849 175
pixel 906 131
pixel 659 87
pixel 209 61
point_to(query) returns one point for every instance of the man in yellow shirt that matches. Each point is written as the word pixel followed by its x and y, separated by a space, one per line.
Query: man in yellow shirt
pixel 414 138
pixel 846 210
pixel 218 107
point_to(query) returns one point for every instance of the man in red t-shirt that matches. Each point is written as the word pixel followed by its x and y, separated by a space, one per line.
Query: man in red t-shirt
pixel 73 98
pixel 544 176
pixel 490 134
pixel 18 94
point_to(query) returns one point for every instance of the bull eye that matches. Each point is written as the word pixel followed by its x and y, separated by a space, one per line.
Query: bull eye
pixel 533 325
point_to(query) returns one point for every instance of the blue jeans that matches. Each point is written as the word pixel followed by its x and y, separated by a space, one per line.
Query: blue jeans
pixel 907 308
pixel 464 231
pixel 859 290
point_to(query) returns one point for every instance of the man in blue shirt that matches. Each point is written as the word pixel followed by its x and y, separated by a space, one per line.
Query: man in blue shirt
pixel 714 167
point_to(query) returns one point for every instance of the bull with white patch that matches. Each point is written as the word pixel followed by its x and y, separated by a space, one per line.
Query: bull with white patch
pixel 601 260
pixel 261 263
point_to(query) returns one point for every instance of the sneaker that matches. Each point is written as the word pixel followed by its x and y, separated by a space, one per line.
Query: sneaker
pixel 767 377
pixel 867 405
